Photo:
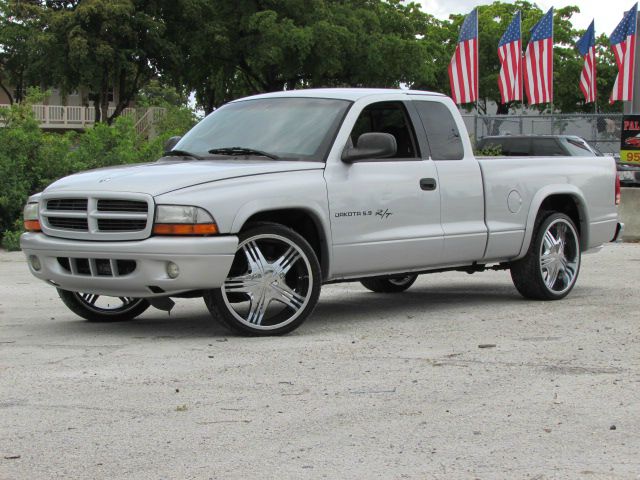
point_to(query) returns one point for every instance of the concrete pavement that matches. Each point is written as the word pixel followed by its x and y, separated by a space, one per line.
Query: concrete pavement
pixel 371 386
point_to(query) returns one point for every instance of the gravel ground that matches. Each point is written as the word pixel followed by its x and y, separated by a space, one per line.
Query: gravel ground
pixel 371 386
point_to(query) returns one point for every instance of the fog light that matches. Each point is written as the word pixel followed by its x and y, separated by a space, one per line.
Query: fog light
pixel 172 270
pixel 35 263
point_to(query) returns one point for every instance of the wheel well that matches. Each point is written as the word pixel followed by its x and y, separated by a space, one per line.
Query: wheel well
pixel 567 204
pixel 302 222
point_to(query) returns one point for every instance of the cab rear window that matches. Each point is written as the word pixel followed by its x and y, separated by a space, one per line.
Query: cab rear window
pixel 442 132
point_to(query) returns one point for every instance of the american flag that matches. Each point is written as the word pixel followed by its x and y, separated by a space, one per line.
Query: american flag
pixel 587 48
pixel 510 54
pixel 538 61
pixel 623 42
pixel 463 69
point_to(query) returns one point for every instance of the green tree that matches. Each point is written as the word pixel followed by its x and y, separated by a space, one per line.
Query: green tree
pixel 239 48
pixel 25 48
pixel 111 47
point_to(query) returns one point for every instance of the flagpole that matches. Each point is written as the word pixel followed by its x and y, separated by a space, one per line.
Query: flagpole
pixel 478 65
pixel 594 73
pixel 552 69
pixel 520 70
pixel 635 100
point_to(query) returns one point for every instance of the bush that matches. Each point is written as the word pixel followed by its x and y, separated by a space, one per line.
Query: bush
pixel 11 240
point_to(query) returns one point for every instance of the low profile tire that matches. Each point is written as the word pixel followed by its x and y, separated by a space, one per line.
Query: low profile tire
pixel 395 284
pixel 273 285
pixel 550 268
pixel 100 308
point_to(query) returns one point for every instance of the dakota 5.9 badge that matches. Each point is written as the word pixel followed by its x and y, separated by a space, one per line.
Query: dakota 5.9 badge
pixel 630 139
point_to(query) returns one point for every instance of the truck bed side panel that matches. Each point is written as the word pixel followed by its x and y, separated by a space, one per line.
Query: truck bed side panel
pixel 515 188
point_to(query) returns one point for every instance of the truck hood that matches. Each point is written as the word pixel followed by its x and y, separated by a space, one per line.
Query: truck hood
pixel 166 176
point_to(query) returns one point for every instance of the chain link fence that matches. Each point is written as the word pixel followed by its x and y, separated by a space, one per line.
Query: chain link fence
pixel 600 130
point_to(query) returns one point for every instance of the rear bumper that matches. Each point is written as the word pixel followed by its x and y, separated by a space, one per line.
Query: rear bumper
pixel 617 237
pixel 92 267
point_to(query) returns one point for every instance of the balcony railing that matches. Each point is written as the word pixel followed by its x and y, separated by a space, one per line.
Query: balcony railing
pixel 66 117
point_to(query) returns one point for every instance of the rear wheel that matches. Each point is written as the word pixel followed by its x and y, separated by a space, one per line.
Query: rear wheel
pixel 394 284
pixel 550 268
pixel 101 308
pixel 273 284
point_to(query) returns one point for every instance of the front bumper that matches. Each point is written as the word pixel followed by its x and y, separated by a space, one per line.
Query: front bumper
pixel 203 263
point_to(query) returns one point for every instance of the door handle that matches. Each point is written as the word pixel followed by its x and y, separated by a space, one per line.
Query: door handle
pixel 428 183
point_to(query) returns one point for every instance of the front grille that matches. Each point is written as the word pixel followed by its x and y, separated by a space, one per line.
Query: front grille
pixel 68 204
pixel 98 217
pixel 115 225
pixel 97 267
pixel 122 206
pixel 64 223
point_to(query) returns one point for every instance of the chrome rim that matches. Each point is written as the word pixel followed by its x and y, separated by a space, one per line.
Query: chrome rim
pixel 401 281
pixel 559 256
pixel 270 282
pixel 105 304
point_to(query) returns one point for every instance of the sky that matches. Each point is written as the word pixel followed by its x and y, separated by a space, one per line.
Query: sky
pixel 606 12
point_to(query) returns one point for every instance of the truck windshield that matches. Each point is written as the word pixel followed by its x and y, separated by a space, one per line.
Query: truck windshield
pixel 284 128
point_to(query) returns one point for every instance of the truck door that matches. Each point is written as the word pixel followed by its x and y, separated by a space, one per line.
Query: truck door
pixel 461 188
pixel 385 213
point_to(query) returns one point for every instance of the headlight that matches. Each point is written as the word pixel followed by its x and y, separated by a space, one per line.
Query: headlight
pixel 30 215
pixel 183 220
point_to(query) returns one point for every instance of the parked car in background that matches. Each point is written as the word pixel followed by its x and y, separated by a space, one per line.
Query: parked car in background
pixel 557 145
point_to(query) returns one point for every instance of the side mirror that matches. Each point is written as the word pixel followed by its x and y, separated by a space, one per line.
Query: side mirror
pixel 169 144
pixel 371 146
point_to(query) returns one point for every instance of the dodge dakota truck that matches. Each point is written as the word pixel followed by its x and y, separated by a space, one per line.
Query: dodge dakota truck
pixel 270 197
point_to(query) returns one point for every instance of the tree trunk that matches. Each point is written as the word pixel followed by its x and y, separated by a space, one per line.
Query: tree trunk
pixel 96 108
pixel 6 90
pixel 210 101
pixel 124 97
pixel 503 109
pixel 104 106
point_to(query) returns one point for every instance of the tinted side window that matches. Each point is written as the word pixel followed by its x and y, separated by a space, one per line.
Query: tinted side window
pixel 387 117
pixel 442 132
pixel 545 147
pixel 517 147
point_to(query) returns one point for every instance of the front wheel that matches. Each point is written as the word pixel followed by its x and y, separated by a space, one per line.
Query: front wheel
pixel 100 308
pixel 550 268
pixel 273 284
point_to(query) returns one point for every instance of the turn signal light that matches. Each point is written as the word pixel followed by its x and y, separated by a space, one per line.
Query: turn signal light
pixel 32 225
pixel 185 229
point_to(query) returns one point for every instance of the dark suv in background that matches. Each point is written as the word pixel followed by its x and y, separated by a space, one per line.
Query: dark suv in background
pixel 554 145
pixel 539 145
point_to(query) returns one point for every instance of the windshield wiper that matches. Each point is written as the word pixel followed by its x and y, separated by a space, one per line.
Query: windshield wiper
pixel 181 153
pixel 234 151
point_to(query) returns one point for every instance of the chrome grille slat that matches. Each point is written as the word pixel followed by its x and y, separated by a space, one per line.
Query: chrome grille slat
pixel 64 214
pixel 67 204
pixel 121 206
pixel 69 223
pixel 118 225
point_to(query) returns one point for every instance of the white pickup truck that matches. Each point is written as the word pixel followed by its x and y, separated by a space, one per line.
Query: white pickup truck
pixel 273 195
